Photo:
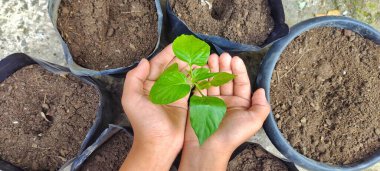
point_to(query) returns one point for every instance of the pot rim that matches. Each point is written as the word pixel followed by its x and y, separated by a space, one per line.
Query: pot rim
pixel 264 78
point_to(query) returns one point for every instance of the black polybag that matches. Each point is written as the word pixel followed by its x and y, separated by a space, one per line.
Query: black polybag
pixel 105 110
pixel 103 138
pixel 177 27
pixel 53 6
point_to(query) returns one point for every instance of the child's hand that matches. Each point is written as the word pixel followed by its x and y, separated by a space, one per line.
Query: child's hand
pixel 245 116
pixel 158 129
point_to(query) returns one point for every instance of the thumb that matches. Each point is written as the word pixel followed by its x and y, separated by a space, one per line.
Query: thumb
pixel 134 81
pixel 260 106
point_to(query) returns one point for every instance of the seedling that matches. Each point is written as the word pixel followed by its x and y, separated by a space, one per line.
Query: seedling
pixel 206 112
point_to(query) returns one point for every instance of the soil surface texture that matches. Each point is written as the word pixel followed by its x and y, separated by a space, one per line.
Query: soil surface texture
pixel 325 95
pixel 107 34
pixel 44 118
pixel 111 155
pixel 255 158
pixel 243 21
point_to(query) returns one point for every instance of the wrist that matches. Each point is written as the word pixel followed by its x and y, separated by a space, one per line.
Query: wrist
pixel 150 156
pixel 205 158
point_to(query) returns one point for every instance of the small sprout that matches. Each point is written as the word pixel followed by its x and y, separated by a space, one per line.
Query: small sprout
pixel 206 112
pixel 44 116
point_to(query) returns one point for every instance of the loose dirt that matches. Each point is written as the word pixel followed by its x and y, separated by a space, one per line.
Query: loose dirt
pixel 106 34
pixel 111 155
pixel 325 95
pixel 30 141
pixel 243 21
pixel 255 158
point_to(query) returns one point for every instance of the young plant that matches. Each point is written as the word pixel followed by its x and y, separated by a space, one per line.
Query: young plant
pixel 206 112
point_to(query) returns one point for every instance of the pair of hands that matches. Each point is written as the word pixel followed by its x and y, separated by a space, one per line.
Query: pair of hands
pixel 161 131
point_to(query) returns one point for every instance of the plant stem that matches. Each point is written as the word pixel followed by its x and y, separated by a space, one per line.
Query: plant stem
pixel 195 84
pixel 196 87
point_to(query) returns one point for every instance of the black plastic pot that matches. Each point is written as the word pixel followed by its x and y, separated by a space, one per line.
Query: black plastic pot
pixel 264 80
pixel 108 133
pixel 53 6
pixel 105 110
pixel 177 27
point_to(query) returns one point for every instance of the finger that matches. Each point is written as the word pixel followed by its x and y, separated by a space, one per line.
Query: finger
pixel 134 81
pixel 160 61
pixel 242 86
pixel 260 107
pixel 148 86
pixel 225 66
pixel 236 102
pixel 213 63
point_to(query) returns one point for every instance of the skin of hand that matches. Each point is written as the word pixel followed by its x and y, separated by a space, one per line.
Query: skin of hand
pixel 158 129
pixel 244 117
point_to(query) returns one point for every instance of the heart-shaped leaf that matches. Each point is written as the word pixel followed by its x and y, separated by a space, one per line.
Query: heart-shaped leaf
pixel 206 113
pixel 192 50
pixel 171 86
pixel 221 78
pixel 201 74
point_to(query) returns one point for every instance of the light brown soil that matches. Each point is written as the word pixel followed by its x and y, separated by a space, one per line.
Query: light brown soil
pixel 243 21
pixel 325 95
pixel 111 155
pixel 26 138
pixel 106 34
pixel 255 158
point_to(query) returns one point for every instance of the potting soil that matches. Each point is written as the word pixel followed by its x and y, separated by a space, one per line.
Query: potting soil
pixel 325 95
pixel 44 118
pixel 111 155
pixel 243 21
pixel 106 34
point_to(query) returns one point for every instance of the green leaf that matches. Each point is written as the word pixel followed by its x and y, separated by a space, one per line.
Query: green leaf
pixel 203 85
pixel 201 74
pixel 221 78
pixel 192 50
pixel 206 113
pixel 171 86
pixel 171 68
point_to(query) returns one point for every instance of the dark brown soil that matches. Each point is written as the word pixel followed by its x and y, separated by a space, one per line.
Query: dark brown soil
pixel 325 95
pixel 107 34
pixel 243 21
pixel 111 155
pixel 26 138
pixel 255 158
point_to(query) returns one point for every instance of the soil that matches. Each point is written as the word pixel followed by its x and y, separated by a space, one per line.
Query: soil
pixel 107 34
pixel 111 155
pixel 32 142
pixel 255 158
pixel 243 21
pixel 325 95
